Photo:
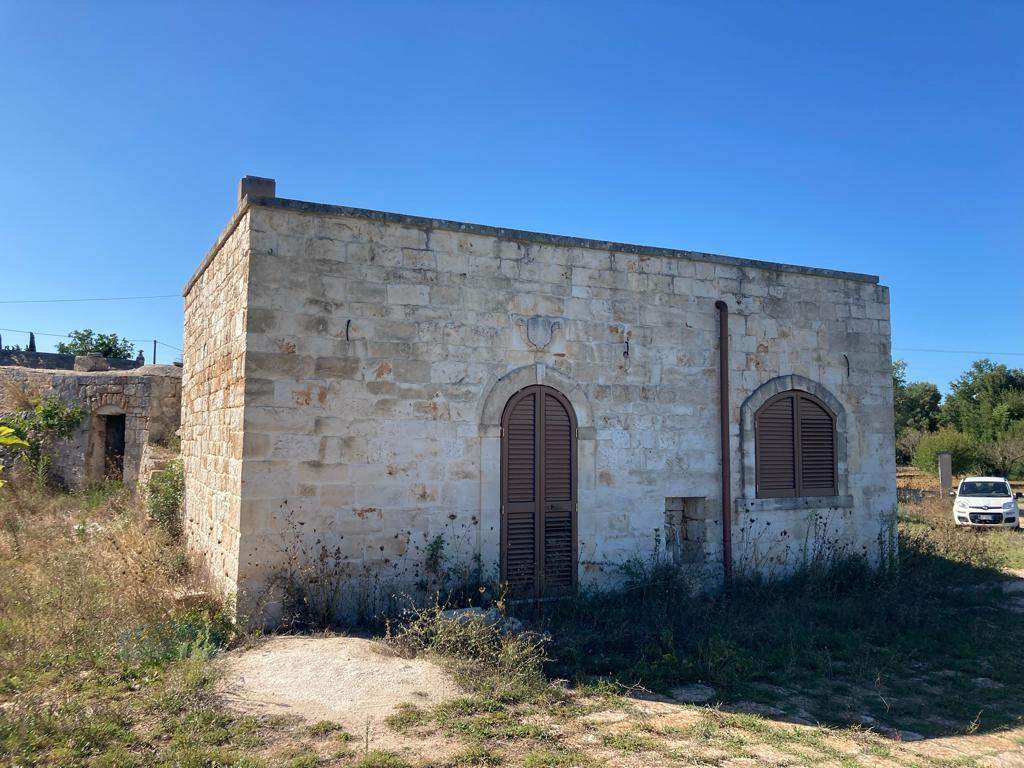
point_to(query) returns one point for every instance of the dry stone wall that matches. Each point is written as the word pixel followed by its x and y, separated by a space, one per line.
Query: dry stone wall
pixel 149 397
pixel 377 351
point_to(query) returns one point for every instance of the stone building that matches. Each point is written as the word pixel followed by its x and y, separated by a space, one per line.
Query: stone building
pixel 548 407
pixel 130 413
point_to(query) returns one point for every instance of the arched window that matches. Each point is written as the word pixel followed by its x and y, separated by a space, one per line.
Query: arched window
pixel 795 447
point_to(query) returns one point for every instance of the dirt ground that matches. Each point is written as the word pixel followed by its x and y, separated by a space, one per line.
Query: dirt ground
pixel 350 681
pixel 357 683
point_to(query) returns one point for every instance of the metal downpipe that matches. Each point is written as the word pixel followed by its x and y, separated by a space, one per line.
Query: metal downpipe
pixel 723 400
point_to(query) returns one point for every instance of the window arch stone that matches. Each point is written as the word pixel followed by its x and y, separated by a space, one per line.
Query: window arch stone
pixel 493 404
pixel 748 448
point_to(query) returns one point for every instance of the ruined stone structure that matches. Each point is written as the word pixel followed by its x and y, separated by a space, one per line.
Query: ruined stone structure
pixel 548 406
pixel 129 414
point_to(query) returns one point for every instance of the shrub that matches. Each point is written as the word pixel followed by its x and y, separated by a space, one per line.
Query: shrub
pixel 906 445
pixel 7 437
pixel 47 421
pixel 197 632
pixel 166 496
pixel 504 666
pixel 963 449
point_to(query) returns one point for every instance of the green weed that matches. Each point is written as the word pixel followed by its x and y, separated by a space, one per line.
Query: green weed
pixel 380 759
pixel 630 742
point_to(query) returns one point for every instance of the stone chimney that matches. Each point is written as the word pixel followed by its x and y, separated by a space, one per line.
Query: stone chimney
pixel 256 186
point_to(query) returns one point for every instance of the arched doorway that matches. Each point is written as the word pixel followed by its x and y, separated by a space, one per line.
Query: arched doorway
pixel 104 457
pixel 538 493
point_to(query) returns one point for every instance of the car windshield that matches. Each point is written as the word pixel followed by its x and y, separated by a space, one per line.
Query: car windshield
pixel 987 488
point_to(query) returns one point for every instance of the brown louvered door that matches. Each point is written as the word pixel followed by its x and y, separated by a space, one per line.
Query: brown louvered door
pixel 520 457
pixel 558 495
pixel 538 494
pixel 796 447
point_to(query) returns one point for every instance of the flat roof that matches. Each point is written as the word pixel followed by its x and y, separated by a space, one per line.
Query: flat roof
pixel 422 222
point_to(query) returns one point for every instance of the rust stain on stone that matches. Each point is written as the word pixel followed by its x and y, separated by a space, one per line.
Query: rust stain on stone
pixel 305 396
pixel 383 370
pixel 423 493
pixel 366 512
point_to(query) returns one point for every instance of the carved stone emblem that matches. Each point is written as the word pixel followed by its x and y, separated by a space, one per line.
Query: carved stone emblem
pixel 540 330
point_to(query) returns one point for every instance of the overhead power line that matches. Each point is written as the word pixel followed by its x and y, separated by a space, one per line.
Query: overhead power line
pixel 39 333
pixel 106 298
pixel 68 336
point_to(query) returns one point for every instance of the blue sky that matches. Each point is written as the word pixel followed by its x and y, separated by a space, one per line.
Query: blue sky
pixel 876 137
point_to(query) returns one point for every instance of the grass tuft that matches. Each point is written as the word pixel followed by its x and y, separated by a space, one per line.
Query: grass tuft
pixel 476 755
pixel 630 742
pixel 558 758
pixel 381 759
pixel 405 718
pixel 501 666
pixel 330 728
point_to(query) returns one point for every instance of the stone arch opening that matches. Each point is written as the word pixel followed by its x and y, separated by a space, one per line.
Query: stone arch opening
pixel 538 493
pixel 760 397
pixel 492 408
pixel 106 448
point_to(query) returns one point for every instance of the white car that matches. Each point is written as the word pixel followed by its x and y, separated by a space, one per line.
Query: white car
pixel 986 501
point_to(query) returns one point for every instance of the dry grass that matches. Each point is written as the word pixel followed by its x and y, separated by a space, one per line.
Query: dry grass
pixel 929 523
pixel 92 639
pixel 17 395
pixel 100 665
pixel 79 571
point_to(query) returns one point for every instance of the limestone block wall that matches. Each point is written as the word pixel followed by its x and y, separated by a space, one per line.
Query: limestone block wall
pixel 378 348
pixel 149 397
pixel 213 395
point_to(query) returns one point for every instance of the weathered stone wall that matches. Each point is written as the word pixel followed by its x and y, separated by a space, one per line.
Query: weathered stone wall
pixel 56 360
pixel 380 350
pixel 213 392
pixel 149 397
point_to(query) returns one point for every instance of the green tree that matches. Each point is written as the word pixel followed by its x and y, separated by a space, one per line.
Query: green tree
pixel 899 374
pixel 963 448
pixel 915 410
pixel 1003 456
pixel 918 407
pixel 86 342
pixel 986 402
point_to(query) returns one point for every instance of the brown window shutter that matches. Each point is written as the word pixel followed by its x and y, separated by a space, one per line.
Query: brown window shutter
pixel 817 449
pixel 795 447
pixel 520 494
pixel 775 439
pixel 559 549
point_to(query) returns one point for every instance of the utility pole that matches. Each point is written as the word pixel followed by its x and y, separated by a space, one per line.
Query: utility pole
pixel 154 351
